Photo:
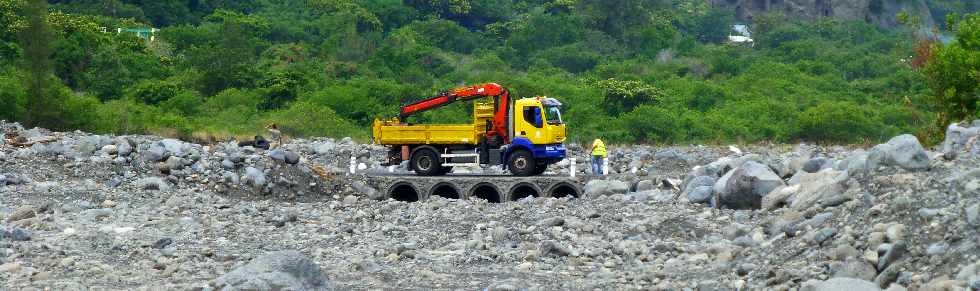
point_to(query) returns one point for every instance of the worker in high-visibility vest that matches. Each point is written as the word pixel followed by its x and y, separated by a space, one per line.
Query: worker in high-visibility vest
pixel 598 151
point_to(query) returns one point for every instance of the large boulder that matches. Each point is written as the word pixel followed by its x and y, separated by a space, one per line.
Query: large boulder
pixel 606 187
pixel 856 163
pixel 957 137
pixel 901 151
pixel 166 148
pixel 283 270
pixel 840 283
pixel 745 186
pixel 816 188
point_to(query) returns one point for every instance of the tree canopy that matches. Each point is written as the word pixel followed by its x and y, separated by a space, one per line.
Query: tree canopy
pixel 648 71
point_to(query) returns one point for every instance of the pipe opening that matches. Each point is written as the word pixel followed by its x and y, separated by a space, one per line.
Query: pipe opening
pixel 404 192
pixel 486 192
pixel 564 190
pixel 445 190
pixel 523 191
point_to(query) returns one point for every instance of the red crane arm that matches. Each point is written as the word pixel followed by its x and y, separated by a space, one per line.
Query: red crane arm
pixel 445 98
pixel 501 115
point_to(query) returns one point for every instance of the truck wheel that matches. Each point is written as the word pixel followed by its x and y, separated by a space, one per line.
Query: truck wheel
pixel 540 168
pixel 445 170
pixel 425 162
pixel 521 163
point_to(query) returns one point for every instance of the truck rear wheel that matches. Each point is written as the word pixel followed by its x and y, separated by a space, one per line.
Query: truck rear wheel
pixel 540 168
pixel 521 163
pixel 425 162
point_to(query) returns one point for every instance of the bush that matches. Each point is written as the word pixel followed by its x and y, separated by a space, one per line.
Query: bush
pixel 309 119
pixel 838 122
pixel 12 97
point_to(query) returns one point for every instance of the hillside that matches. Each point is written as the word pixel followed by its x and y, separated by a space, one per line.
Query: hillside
pixel 629 71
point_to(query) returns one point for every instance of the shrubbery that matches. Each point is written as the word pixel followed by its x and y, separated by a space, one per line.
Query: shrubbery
pixel 628 71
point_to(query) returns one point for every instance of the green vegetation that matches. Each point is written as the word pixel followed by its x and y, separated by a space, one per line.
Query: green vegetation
pixel 629 71
pixel 953 71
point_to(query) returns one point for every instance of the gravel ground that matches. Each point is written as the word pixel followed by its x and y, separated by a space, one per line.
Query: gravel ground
pixel 87 212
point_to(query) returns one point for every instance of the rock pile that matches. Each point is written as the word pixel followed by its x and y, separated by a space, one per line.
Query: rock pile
pixel 84 211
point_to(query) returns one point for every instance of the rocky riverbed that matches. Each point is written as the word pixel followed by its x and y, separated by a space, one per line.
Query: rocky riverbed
pixel 91 212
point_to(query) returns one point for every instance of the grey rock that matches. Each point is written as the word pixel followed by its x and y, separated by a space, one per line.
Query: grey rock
pixel 973 215
pixel 888 276
pixel 88 145
pixel 700 194
pixel 229 178
pixel 254 177
pixel 95 214
pixel 817 188
pixel 114 182
pixel 283 270
pixel 889 254
pixel 853 268
pixel 292 158
pixel 550 247
pixel 553 221
pixel 168 252
pixel 957 137
pixel 820 236
pixel 838 284
pixel 745 241
pixel 938 248
pixel 17 234
pixel 152 183
pixel 162 243
pixel 747 185
pixel 123 147
pixel 605 187
pixel 278 155
pixel 856 163
pixel 645 185
pixel 236 157
pixel 901 151
pixel 174 163
pixel 815 165
pixel 110 149
pixel 154 154
pixel 928 213
pixel 366 190
pixel 174 147
pixel 699 181
pixel 227 164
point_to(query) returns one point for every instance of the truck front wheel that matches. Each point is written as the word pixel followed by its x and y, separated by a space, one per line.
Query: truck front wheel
pixel 425 162
pixel 521 163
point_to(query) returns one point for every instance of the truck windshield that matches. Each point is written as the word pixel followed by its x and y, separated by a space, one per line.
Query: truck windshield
pixel 552 114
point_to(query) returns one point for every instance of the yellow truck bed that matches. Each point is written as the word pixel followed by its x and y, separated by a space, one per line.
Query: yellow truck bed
pixel 392 132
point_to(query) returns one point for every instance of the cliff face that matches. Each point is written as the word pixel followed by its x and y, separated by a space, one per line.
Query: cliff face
pixel 880 12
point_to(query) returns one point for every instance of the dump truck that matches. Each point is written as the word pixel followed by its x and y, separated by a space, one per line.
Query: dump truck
pixel 525 136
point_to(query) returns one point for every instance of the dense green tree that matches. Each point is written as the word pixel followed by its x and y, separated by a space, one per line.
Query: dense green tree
pixel 953 73
pixel 44 98
pixel 654 71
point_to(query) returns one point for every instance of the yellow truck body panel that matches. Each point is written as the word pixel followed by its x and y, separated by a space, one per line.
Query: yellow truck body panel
pixel 393 132
pixel 387 132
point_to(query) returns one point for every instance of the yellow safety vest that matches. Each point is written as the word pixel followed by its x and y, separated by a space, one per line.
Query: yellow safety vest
pixel 598 148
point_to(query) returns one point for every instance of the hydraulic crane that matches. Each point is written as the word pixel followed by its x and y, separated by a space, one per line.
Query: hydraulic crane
pixel 524 135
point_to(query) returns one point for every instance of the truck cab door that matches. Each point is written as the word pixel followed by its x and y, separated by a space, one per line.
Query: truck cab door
pixel 530 124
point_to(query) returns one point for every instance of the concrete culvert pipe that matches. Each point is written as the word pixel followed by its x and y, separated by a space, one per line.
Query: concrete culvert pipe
pixel 404 192
pixel 561 190
pixel 445 190
pixel 523 190
pixel 486 191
